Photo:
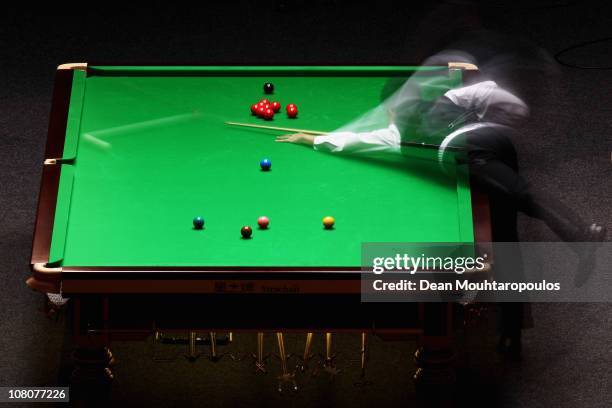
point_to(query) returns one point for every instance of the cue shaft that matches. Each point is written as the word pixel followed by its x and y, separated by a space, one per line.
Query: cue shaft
pixel 318 132
pixel 431 146
pixel 282 129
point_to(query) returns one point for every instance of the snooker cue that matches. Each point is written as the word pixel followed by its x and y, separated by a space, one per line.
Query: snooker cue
pixel 283 129
pixel 318 133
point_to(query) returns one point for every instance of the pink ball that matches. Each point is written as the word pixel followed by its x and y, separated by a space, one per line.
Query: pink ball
pixel 263 222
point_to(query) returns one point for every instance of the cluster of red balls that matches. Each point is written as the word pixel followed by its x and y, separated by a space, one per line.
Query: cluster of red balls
pixel 266 109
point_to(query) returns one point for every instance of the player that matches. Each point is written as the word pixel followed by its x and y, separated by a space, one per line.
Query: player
pixel 480 118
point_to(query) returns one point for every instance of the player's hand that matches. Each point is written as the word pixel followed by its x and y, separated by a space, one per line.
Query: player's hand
pixel 298 138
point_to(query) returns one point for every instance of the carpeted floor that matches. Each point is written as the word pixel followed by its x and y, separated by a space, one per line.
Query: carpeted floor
pixel 565 149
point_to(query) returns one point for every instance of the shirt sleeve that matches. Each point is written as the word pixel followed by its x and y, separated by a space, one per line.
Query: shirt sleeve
pixel 381 140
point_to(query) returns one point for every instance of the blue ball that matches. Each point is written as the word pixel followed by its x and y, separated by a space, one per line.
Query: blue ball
pixel 198 222
pixel 265 164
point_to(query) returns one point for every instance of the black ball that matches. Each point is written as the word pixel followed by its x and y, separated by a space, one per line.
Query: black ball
pixel 246 232
pixel 268 88
pixel 198 222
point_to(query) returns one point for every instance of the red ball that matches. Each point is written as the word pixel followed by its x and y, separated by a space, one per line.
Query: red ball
pixel 291 105
pixel 261 111
pixel 264 101
pixel 254 109
pixel 246 232
pixel 292 111
pixel 268 114
pixel 276 106
pixel 263 222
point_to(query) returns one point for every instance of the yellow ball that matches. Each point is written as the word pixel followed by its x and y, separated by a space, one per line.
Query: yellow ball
pixel 328 222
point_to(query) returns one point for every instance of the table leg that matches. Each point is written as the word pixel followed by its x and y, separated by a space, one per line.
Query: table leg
pixel 285 376
pixel 362 382
pixel 435 357
pixel 214 356
pixel 303 366
pixel 92 376
pixel 192 352
pixel 328 363
pixel 260 363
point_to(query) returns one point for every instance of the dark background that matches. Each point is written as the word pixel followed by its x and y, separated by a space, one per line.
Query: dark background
pixel 564 149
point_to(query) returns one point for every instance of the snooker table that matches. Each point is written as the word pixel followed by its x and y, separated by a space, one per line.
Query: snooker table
pixel 134 153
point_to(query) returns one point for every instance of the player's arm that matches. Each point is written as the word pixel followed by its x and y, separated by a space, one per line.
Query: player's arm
pixel 387 140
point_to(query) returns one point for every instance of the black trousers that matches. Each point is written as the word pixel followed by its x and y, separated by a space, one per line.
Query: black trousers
pixel 494 164
pixel 494 167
